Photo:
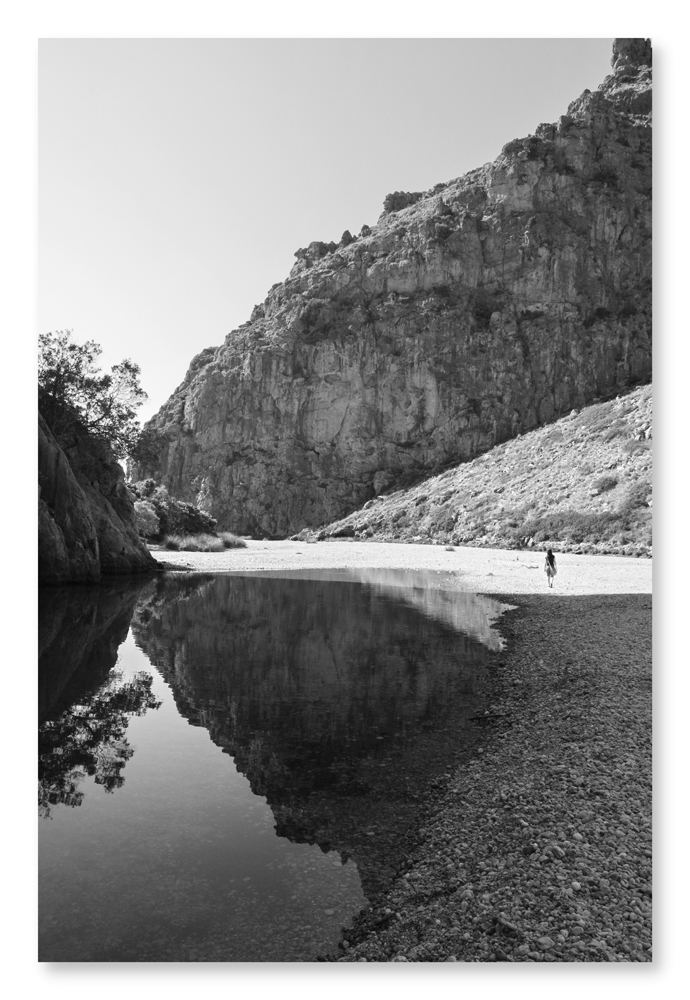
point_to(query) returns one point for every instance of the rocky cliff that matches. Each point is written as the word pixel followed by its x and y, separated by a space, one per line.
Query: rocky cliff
pixel 470 313
pixel 85 514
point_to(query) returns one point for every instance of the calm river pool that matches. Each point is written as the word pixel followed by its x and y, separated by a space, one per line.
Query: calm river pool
pixel 231 767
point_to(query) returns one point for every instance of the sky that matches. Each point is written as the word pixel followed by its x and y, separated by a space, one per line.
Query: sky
pixel 177 177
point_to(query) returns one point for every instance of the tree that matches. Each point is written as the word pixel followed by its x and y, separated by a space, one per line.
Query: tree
pixel 148 448
pixel 74 390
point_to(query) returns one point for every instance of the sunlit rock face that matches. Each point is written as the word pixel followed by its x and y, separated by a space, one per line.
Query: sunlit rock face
pixel 470 313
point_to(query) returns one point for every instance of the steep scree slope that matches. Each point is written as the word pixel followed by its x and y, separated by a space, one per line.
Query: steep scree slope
pixel 583 484
pixel 480 309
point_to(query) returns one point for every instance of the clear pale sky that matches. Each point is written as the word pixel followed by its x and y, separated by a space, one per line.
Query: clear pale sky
pixel 177 177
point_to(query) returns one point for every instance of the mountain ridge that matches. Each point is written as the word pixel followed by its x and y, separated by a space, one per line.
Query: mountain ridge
pixel 487 306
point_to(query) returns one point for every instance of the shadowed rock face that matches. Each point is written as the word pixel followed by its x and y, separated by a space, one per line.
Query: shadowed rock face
pixel 341 705
pixel 86 516
pixel 478 310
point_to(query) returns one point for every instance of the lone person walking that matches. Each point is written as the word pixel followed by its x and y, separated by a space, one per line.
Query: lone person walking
pixel 550 566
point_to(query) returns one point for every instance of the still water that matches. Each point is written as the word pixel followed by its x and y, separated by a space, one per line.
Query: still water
pixel 231 767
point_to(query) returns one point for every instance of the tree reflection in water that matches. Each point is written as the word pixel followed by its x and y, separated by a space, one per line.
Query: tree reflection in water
pixel 89 738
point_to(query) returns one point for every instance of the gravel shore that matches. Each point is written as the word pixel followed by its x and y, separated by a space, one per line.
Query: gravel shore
pixel 539 847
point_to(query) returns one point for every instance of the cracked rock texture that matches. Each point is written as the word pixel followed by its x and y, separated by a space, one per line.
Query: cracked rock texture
pixel 468 314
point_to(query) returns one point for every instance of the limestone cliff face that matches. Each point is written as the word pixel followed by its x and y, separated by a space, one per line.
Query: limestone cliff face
pixel 85 514
pixel 470 313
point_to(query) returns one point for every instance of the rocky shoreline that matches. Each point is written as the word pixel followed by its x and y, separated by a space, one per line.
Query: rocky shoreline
pixel 539 848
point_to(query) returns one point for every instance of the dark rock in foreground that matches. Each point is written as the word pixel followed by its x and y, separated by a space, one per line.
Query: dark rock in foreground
pixel 85 514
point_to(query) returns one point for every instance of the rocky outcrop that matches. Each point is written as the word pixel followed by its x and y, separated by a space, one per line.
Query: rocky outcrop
pixel 470 313
pixel 86 526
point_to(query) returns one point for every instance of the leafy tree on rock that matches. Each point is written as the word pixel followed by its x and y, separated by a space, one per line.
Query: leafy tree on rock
pixel 74 390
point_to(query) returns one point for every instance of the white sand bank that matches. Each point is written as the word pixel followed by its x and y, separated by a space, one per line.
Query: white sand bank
pixel 487 571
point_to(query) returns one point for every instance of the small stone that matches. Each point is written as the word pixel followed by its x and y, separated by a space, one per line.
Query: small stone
pixel 545 942
pixel 451 958
pixel 575 886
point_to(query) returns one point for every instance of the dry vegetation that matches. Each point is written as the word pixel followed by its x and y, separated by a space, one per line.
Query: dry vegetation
pixel 203 543
pixel 582 484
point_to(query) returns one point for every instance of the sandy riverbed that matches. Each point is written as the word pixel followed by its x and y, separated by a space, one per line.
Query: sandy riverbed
pixel 487 571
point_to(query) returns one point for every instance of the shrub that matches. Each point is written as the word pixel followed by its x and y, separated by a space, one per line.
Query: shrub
pixel 605 483
pixel 149 447
pixel 147 521
pixel 632 447
pixel 175 516
pixel 231 541
pixel 194 543
pixel 619 428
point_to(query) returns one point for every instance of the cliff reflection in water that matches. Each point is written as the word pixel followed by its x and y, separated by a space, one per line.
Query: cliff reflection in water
pixel 84 706
pixel 340 700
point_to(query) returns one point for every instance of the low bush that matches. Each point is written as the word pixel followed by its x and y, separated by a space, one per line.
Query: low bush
pixel 619 428
pixel 146 519
pixel 175 517
pixel 605 483
pixel 633 447
pixel 605 527
pixel 231 541
pixel 194 543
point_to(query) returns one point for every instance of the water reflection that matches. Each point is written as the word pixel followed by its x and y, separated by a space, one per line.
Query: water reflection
pixel 84 705
pixel 338 701
pixel 90 738
pixel 342 701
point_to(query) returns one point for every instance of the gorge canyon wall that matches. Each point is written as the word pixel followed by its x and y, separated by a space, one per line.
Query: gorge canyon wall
pixel 468 314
